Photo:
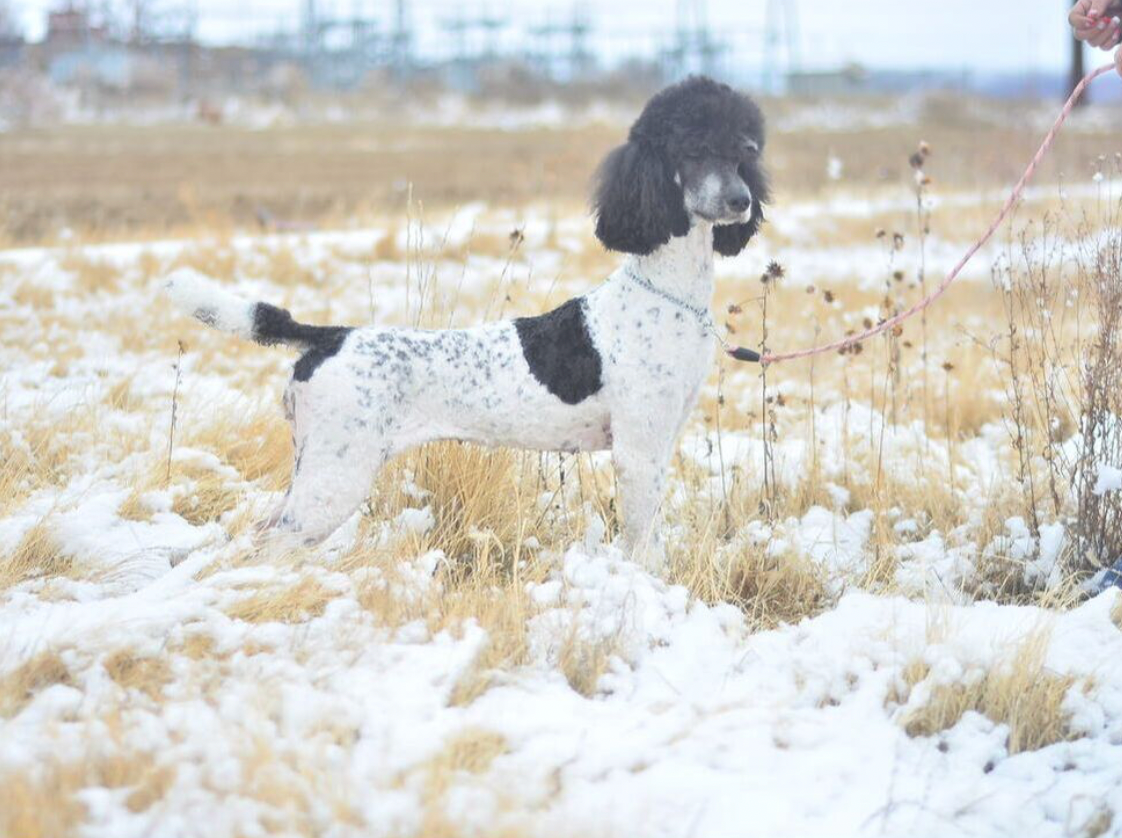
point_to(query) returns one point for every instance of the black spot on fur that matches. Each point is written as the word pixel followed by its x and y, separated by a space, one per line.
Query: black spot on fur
pixel 560 352
pixel 272 325
pixel 206 315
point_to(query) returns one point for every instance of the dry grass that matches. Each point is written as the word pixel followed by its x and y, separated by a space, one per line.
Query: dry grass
pixel 35 555
pixel 34 675
pixel 148 674
pixel 583 661
pixel 1018 692
pixel 483 507
pixel 255 440
pixel 43 803
pixel 1116 613
pixel 296 603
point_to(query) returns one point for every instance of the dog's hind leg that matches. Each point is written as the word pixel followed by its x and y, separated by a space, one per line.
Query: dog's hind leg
pixel 328 484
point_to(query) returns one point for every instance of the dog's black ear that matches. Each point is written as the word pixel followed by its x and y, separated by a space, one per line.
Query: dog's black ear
pixel 730 239
pixel 638 205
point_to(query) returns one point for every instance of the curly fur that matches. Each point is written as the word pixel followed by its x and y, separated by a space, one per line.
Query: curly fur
pixel 639 204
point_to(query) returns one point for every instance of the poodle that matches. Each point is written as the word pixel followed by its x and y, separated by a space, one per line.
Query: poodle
pixel 618 368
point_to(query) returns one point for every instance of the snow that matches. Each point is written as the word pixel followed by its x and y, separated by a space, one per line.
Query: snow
pixel 1110 480
pixel 699 727
pixel 700 724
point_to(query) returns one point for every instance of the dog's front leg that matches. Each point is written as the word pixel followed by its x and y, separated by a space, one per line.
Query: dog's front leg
pixel 641 460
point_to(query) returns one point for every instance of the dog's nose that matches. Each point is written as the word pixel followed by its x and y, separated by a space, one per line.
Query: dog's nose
pixel 740 201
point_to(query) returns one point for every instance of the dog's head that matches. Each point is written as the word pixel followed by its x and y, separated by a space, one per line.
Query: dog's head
pixel 693 153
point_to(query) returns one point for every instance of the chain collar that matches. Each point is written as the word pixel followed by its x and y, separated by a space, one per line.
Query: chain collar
pixel 702 314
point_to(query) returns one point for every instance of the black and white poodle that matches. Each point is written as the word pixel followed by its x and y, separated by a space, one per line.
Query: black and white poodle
pixel 619 367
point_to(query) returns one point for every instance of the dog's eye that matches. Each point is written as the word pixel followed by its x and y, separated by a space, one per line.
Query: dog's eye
pixel 751 148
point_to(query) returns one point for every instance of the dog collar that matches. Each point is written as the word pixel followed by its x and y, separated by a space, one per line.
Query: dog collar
pixel 702 314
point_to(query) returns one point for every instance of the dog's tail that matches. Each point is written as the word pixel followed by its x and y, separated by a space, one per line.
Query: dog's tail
pixel 208 302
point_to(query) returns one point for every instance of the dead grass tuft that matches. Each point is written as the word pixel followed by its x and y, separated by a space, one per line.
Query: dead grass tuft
pixel 1116 613
pixel 471 751
pixel 297 603
pixel 21 685
pixel 1018 692
pixel 583 661
pixel 146 673
pixel 503 613
pixel 36 554
pixel 256 441
pixel 483 510
pixel 44 803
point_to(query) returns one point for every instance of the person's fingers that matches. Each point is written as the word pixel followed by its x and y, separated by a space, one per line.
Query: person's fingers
pixel 1077 17
pixel 1116 35
pixel 1103 33
pixel 1110 33
pixel 1099 7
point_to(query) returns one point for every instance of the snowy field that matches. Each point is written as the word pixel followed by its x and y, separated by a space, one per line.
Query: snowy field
pixel 886 613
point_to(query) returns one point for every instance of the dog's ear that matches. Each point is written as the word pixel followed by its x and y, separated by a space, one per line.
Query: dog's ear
pixel 730 239
pixel 638 205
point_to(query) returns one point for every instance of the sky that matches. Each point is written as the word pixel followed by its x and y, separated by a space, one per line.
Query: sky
pixel 995 35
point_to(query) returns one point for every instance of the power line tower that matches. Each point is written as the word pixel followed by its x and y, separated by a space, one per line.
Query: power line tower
pixel 564 43
pixel 401 44
pixel 694 50
pixel 309 29
pixel 486 29
pixel 781 44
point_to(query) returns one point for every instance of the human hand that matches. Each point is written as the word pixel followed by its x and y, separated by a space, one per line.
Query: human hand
pixel 1118 61
pixel 1097 22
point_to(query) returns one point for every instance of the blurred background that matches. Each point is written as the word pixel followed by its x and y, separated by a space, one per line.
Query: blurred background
pixel 267 96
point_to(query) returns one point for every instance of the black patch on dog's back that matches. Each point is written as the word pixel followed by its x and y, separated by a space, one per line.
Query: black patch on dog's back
pixel 327 345
pixel 273 325
pixel 559 350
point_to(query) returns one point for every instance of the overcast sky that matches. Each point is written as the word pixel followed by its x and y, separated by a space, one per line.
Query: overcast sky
pixel 1007 35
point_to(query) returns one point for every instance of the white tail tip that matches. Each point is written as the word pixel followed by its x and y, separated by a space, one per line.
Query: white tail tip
pixel 210 303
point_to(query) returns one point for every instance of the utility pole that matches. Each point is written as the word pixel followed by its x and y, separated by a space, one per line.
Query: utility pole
pixel 781 33
pixel 402 39
pixel 1077 67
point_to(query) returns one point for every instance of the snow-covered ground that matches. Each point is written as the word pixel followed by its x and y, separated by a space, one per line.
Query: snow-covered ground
pixel 336 714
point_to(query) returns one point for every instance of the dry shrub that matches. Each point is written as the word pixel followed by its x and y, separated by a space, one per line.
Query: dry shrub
pixel 20 686
pixel 146 673
pixel 297 603
pixel 36 554
pixel 1018 692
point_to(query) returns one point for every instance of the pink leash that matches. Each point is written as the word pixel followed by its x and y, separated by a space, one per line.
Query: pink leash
pixel 743 354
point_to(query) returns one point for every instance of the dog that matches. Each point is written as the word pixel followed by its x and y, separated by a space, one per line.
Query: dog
pixel 618 368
